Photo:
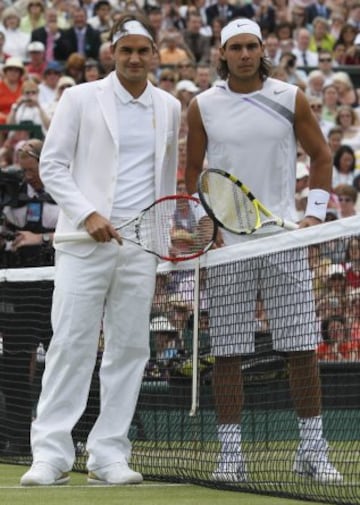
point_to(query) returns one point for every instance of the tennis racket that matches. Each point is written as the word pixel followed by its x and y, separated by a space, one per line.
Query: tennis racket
pixel 233 206
pixel 174 228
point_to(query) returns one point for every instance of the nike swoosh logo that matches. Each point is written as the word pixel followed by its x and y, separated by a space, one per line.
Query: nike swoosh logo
pixel 244 24
pixel 278 92
pixel 319 203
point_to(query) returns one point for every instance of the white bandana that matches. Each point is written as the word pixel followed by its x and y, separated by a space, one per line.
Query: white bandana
pixel 132 27
pixel 238 27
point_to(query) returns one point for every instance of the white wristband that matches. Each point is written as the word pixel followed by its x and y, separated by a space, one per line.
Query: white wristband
pixel 317 202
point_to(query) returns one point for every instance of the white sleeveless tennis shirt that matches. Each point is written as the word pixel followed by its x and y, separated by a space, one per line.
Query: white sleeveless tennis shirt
pixel 252 136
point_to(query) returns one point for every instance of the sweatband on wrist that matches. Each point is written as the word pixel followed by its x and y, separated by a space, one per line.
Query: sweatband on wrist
pixel 317 202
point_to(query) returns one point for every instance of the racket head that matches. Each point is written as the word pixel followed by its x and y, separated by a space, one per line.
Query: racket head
pixel 228 201
pixel 176 228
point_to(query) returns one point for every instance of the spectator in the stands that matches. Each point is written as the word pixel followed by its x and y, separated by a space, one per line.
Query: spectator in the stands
pixel 186 69
pixel 352 262
pixel 47 87
pixel 36 65
pixel 325 65
pixel 344 166
pixel 16 41
pixel 272 48
pixel 92 70
pixel 75 67
pixel 27 108
pixel 53 37
pixel 106 60
pixel 347 196
pixel 63 83
pixel 348 119
pixel 10 85
pixel 321 37
pixel 101 20
pixel 203 77
pixel 347 36
pixel 34 17
pixel 222 9
pixel 167 80
pixel 198 44
pixel 336 345
pixel 305 57
pixel 82 38
pixel 330 103
pixel 316 9
pixel 334 137
pixel 348 94
pixel 171 49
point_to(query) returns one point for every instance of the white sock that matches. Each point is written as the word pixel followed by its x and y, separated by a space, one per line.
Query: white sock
pixel 311 431
pixel 230 438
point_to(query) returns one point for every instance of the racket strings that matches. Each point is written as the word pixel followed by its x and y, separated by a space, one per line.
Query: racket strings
pixel 229 203
pixel 175 228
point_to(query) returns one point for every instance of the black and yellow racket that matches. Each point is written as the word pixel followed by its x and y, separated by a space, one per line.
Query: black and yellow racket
pixel 232 205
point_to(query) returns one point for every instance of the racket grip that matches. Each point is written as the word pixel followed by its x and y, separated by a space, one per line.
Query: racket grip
pixel 76 236
pixel 289 225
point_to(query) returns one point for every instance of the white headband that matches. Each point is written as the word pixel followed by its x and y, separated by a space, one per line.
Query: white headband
pixel 238 27
pixel 131 28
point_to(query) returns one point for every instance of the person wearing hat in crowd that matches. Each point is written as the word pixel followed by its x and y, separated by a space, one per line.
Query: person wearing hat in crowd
pixel 258 120
pixel 63 83
pixel 36 65
pixel 131 128
pixel 10 86
pixel 47 87
pixel 185 91
pixel 16 41
pixel 82 38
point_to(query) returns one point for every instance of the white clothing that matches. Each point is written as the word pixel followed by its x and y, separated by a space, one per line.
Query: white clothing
pixel 340 178
pixel 87 153
pixel 27 113
pixel 78 304
pixel 46 95
pixel 252 136
pixel 16 43
pixel 135 175
pixel 235 122
pixel 310 59
pixel 78 166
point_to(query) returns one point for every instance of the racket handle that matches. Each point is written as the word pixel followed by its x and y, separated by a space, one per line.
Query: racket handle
pixel 289 225
pixel 75 236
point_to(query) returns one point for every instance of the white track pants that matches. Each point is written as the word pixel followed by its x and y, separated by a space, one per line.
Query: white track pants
pixel 118 281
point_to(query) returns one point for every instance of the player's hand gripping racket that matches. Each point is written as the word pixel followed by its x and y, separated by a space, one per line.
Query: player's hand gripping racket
pixel 159 229
pixel 232 205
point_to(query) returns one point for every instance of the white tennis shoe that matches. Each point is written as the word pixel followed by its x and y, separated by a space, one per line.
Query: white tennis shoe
pixel 115 474
pixel 230 468
pixel 43 474
pixel 314 463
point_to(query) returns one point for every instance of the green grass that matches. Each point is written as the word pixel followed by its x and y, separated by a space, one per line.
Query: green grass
pixel 148 493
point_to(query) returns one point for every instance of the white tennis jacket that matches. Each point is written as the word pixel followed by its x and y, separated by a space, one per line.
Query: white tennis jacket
pixel 79 158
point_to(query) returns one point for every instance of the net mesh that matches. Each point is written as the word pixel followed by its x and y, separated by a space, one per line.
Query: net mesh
pixel 268 299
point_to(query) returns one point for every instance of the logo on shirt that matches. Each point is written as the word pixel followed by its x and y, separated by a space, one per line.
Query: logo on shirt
pixel 279 91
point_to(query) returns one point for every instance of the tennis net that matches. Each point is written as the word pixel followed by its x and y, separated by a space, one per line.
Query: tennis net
pixel 272 294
